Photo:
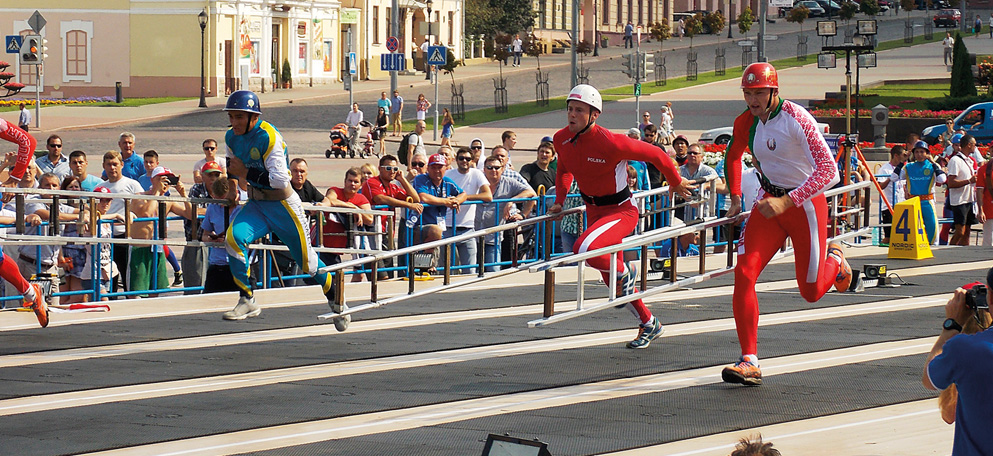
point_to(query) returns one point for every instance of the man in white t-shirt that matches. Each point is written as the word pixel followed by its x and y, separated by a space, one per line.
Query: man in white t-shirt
pixel 962 191
pixel 117 182
pixel 887 174
pixel 473 182
pixel 518 47
pixel 415 143
pixel 948 44
pixel 209 155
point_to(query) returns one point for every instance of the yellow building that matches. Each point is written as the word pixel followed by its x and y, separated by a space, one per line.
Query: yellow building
pixel 153 47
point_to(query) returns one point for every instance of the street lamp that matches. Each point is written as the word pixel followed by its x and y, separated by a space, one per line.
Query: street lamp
pixel 202 17
pixel 427 68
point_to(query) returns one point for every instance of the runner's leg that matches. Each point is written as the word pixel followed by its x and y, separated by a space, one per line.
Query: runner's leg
pixel 806 226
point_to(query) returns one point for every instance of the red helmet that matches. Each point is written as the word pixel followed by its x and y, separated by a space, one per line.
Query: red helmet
pixel 760 75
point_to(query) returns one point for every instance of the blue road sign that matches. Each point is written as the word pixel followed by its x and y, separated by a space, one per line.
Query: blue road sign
pixel 392 62
pixel 437 55
pixel 13 43
pixel 353 67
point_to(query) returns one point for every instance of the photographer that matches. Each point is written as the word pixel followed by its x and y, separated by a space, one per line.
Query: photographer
pixel 966 361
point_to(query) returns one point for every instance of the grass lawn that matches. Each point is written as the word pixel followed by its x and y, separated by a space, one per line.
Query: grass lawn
pixel 905 96
pixel 132 102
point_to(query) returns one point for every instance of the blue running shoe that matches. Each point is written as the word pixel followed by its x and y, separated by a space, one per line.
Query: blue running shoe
pixel 647 332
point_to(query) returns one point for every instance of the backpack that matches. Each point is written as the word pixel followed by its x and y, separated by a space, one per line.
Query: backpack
pixel 404 148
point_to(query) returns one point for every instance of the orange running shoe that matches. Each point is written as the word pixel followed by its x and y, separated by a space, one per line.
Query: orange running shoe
pixel 844 279
pixel 743 372
pixel 39 306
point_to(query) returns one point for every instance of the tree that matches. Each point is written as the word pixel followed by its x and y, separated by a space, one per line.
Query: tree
pixel 451 64
pixel 501 51
pixel 715 21
pixel 745 20
pixel 847 11
pixel 908 5
pixel 287 77
pixel 798 15
pixel 869 7
pixel 533 48
pixel 490 17
pixel 963 84
pixel 693 26
pixel 660 31
pixel 479 18
pixel 583 49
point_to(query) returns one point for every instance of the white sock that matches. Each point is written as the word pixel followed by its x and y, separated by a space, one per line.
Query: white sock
pixel 29 294
pixel 754 359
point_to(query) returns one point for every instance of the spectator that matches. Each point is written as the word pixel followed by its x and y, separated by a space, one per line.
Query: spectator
pixel 132 166
pixel 73 255
pixel 117 182
pixel 508 141
pixel 338 225
pixel 422 103
pixel 473 182
pixel 694 170
pixel 396 113
pixel 438 193
pixel 945 139
pixel 517 47
pixel 424 57
pixel 416 139
pixel 680 145
pixel 681 29
pixel 962 191
pixel 654 175
pixel 215 225
pixel 538 173
pixel 984 193
pixel 78 164
pixel 24 120
pixel 107 271
pixel 384 102
pixel 948 399
pixel 447 127
pixel 368 171
pixel 54 162
pixel 895 194
pixel 299 171
pixel 572 224
pixel 628 35
pixel 498 213
pixel 147 264
pixel 503 154
pixel 379 133
pixel 209 155
pixel 42 259
pixel 418 165
pixel 449 154
pixel 353 119
pixel 646 120
pixel 192 260
pixel 381 191
pixel 634 133
pixel 965 360
pixel 150 162
pixel 476 147
pixel 947 44
pixel 667 132
pixel 754 447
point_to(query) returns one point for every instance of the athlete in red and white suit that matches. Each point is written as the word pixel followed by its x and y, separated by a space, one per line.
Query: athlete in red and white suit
pixel 598 159
pixel 794 160
pixel 8 268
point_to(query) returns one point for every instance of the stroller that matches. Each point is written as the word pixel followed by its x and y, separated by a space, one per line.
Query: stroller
pixel 369 146
pixel 339 142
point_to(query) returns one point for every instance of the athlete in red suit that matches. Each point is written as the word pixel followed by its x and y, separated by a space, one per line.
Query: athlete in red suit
pixel 8 268
pixel 597 159
pixel 795 167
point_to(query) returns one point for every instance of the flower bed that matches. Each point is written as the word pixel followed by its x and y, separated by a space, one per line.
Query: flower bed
pixel 902 113
pixel 56 101
pixel 714 153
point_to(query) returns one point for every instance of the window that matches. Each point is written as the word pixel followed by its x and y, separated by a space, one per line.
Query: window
pixel 564 12
pixel 451 27
pixel 630 10
pixel 651 19
pixel 375 25
pixel 77 60
pixel 389 20
pixel 606 13
pixel 542 13
pixel 620 12
pixel 641 9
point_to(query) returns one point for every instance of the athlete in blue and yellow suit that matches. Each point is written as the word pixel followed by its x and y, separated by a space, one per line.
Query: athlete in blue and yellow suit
pixel 921 175
pixel 256 154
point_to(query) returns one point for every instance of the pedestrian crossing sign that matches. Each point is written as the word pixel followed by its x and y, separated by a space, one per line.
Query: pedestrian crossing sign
pixel 907 239
pixel 13 43
pixel 437 55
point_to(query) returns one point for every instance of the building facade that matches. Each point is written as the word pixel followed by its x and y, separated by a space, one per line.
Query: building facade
pixel 153 47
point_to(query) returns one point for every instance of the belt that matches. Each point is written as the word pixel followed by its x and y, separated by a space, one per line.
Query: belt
pixel 927 197
pixel 28 259
pixel 275 194
pixel 772 189
pixel 608 200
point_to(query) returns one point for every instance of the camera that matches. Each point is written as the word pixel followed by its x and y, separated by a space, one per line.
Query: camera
pixel 975 298
pixel 172 180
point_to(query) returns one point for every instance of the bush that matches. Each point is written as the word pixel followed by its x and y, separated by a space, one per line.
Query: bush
pixel 963 84
pixel 955 103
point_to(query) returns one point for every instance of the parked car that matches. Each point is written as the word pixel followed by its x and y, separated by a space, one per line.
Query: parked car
pixel 814 7
pixel 975 121
pixel 935 4
pixel 722 135
pixel 688 14
pixel 948 18
pixel 830 7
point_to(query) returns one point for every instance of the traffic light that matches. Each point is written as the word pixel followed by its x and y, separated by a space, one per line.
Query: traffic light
pixel 630 65
pixel 648 64
pixel 32 51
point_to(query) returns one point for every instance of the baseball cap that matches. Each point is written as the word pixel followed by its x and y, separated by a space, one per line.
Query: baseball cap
pixel 957 138
pixel 102 190
pixel 161 171
pixel 211 167
pixel 546 139
pixel 681 137
pixel 437 159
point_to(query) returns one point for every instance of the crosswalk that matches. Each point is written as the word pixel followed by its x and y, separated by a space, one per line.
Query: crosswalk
pixel 167 376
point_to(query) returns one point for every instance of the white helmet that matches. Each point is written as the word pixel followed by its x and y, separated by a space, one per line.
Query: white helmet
pixel 585 93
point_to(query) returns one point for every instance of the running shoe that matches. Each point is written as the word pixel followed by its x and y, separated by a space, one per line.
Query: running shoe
pixel 340 323
pixel 177 279
pixel 626 283
pixel 246 308
pixel 844 279
pixel 647 332
pixel 38 305
pixel 743 372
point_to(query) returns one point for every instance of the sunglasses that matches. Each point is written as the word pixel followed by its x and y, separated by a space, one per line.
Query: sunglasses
pixel 417 165
pixel 55 145
pixel 392 168
pixel 693 153
pixel 209 148
pixel 477 147
pixel 494 168
pixel 461 159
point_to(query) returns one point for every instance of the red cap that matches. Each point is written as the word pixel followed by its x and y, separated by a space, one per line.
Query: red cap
pixel 161 171
pixel 210 167
pixel 437 159
pixel 760 75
